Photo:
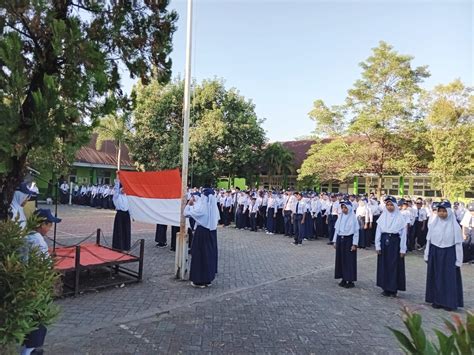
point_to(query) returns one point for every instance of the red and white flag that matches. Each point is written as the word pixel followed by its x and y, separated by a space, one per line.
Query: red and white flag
pixel 153 197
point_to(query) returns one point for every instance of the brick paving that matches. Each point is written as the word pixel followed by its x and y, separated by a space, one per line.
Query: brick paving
pixel 269 297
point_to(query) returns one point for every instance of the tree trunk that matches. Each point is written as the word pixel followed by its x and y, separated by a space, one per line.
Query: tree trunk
pixel 379 186
pixel 10 183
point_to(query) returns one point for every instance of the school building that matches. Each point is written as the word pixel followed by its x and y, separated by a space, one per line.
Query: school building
pixel 91 165
pixel 397 185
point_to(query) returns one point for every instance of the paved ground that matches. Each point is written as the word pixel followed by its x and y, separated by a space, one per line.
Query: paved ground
pixel 269 297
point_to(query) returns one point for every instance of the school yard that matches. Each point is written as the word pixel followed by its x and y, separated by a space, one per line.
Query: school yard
pixel 269 297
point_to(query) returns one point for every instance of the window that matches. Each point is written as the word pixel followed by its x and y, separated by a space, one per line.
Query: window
pixel 103 177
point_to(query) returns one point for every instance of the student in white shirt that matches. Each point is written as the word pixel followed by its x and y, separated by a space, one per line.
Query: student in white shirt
pixel 121 236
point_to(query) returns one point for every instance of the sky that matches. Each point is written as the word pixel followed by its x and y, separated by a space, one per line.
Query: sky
pixel 283 55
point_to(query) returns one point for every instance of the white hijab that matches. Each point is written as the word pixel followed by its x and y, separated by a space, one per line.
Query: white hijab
pixel 16 207
pixel 347 224
pixel 391 222
pixel 445 233
pixel 205 212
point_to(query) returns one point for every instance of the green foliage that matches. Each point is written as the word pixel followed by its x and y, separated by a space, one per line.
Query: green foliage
pixel 60 72
pixel 26 286
pixel 460 339
pixel 226 137
pixel 450 118
pixel 334 160
pixel 277 160
pixel 379 116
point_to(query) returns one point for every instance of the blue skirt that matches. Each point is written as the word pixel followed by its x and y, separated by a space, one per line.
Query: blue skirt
pixel 390 266
pixel 346 260
pixel 443 280
pixel 160 234
pixel 203 256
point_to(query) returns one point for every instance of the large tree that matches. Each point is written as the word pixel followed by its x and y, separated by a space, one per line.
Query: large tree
pixel 379 115
pixel 277 160
pixel 226 136
pixel 450 119
pixel 60 63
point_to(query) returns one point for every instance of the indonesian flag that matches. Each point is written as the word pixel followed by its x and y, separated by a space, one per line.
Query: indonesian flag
pixel 153 197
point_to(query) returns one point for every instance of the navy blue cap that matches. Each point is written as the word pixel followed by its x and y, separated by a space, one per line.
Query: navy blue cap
pixel 444 204
pixel 24 188
pixel 391 199
pixel 208 191
pixel 435 205
pixel 46 215
pixel 197 193
pixel 401 202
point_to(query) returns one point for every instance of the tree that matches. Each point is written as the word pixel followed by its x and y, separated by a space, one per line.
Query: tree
pixel 226 136
pixel 60 69
pixel 450 119
pixel 379 116
pixel 114 127
pixel 277 160
pixel 157 121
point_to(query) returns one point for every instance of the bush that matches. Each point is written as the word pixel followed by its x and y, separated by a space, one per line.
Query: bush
pixel 26 287
pixel 460 339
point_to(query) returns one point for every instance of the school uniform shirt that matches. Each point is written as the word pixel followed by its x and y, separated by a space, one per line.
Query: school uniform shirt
pixel 468 223
pixel 444 234
pixel 365 211
pixel 265 201
pixel 272 203
pixel 36 240
pixel 315 207
pixel 253 208
pixel 325 204
pixel 64 187
pixel 420 214
pixel 391 222
pixel 290 203
pixel 300 207
pixel 228 202
pixel 408 216
pixel 355 204
pixel 375 207
pixel 334 209
pixel 120 199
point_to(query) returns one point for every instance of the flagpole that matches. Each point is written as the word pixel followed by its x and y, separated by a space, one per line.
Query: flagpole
pixel 181 259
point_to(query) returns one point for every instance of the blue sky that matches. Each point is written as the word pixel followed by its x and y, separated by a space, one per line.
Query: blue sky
pixel 285 54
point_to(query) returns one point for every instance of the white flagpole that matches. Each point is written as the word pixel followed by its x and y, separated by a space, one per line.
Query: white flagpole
pixel 181 259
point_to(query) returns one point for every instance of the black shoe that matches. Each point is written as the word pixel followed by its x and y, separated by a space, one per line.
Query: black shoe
pixel 330 243
pixel 436 306
pixel 393 294
pixel 449 309
pixel 386 293
pixel 159 245
pixel 343 283
pixel 350 285
pixel 172 249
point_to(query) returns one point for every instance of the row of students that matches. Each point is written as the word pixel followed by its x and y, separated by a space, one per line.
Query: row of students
pixel 443 253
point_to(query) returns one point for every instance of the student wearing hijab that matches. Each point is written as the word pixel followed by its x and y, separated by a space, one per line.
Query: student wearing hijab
pixel 122 233
pixel 20 198
pixel 444 256
pixel 346 239
pixel 204 248
pixel 391 245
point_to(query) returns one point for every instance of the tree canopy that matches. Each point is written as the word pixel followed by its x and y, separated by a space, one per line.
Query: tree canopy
pixel 226 136
pixel 376 126
pixel 60 69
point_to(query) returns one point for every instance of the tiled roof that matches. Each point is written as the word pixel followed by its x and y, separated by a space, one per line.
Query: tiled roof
pixel 106 155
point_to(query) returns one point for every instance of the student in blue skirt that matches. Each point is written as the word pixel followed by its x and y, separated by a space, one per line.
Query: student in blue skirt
pixel 204 247
pixel 444 256
pixel 346 239
pixel 391 246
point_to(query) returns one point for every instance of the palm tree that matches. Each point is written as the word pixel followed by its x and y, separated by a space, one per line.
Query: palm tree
pixel 114 127
pixel 278 160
